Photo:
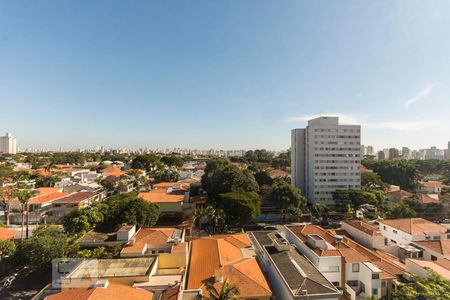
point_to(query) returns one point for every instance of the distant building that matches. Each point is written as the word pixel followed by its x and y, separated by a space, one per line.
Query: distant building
pixel 8 144
pixel 393 153
pixel 368 151
pixel 406 152
pixel 325 156
pixel 381 155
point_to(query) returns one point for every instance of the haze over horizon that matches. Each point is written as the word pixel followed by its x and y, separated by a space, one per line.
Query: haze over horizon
pixel 223 75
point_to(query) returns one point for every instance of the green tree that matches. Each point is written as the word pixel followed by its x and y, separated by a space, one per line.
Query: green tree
pixel 24 196
pixel 226 291
pixel 400 210
pixel 433 287
pixel 146 162
pixel 172 160
pixel 127 208
pixel 371 181
pixel 82 220
pixel 286 196
pixel 6 196
pixel 212 217
pixel 46 244
pixel 240 207
pixel 222 177
pixel 263 178
pixel 99 252
pixel 7 248
pixel 399 172
pixel 354 197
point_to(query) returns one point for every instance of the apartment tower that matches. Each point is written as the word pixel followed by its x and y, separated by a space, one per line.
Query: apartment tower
pixel 325 157
pixel 8 144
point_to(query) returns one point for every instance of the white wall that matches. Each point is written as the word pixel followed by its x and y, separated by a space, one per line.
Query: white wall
pixel 363 238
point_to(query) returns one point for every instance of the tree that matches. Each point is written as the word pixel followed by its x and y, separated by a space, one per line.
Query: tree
pixel 354 197
pixel 212 217
pixel 433 287
pixel 263 178
pixel 146 161
pixel 127 208
pixel 46 244
pixel 400 210
pixel 99 252
pixel 6 195
pixel 226 291
pixel 166 175
pixel 7 248
pixel 399 172
pixel 172 161
pixel 371 181
pixel 286 196
pixel 24 196
pixel 82 220
pixel 222 177
pixel 282 161
pixel 240 207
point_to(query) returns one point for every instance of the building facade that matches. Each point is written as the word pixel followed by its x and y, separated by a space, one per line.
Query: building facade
pixel 325 157
pixel 8 144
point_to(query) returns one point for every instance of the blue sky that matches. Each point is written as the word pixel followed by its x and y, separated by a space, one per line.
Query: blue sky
pixel 222 74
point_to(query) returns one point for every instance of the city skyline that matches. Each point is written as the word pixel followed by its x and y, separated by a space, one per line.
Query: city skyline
pixel 222 75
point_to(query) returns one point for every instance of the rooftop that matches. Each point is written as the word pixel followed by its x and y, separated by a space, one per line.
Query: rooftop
pixel 161 196
pixel 430 265
pixel 439 246
pixel 75 197
pixel 300 274
pixel 121 267
pixel 222 256
pixel 112 291
pixel 364 227
pixel 6 234
pixel 150 236
pixel 415 226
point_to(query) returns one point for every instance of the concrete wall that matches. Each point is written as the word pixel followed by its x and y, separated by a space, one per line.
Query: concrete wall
pixel 363 238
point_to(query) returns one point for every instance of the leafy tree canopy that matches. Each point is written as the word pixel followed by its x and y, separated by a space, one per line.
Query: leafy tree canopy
pixel 286 196
pixel 433 287
pixel 240 207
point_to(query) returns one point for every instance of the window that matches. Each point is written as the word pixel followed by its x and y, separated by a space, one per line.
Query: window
pixel 375 276
pixel 437 237
pixel 333 269
pixel 374 291
pixel 433 258
pixel 355 267
pixel 420 254
pixel 427 237
pixel 395 231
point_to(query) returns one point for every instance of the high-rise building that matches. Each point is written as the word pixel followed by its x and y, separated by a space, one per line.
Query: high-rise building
pixel 8 144
pixel 406 153
pixel 381 155
pixel 369 151
pixel 393 153
pixel 448 151
pixel 325 156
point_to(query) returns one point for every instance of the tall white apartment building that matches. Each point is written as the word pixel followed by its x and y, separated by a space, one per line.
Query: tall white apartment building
pixel 8 144
pixel 325 157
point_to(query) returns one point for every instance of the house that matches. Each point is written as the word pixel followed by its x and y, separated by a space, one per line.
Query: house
pixel 45 198
pixel 423 268
pixel 430 187
pixel 112 171
pixel 226 257
pixel 429 199
pixel 290 273
pixel 77 200
pixel 103 290
pixel 93 239
pixel 170 197
pixel 365 234
pixel 405 231
pixel 154 241
pixel 434 250
pixel 357 270
pixel 395 195
pixel 128 271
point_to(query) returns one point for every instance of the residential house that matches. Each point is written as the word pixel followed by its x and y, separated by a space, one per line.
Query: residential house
pixel 365 234
pixel 430 187
pixel 405 231
pixel 423 268
pixel 290 273
pixel 434 250
pixel 6 234
pixel 226 257
pixel 355 269
pixel 395 195
pixel 64 205
pixel 171 197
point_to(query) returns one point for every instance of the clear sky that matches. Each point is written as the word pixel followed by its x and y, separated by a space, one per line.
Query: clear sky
pixel 222 74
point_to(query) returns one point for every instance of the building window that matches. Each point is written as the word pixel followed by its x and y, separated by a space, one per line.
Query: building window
pixel 427 237
pixel 433 258
pixel 355 267
pixel 375 276
pixel 395 231
pixel 374 291
pixel 333 269
pixel 437 237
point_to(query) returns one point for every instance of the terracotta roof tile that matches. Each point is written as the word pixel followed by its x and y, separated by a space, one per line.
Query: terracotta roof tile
pixel 439 246
pixel 145 236
pixel 415 226
pixel 6 234
pixel 364 227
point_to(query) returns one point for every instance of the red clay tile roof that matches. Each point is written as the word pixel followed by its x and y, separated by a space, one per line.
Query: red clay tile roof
pixel 443 262
pixel 44 198
pixel 6 234
pixel 364 227
pixel 75 197
pixel 429 198
pixel 439 246
pixel 161 196
pixel 113 171
pixel 111 292
pixel 445 273
pixel 222 256
pixel 153 236
pixel 415 226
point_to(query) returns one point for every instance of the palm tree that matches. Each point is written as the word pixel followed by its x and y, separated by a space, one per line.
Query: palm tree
pixel 6 195
pixel 226 292
pixel 24 196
